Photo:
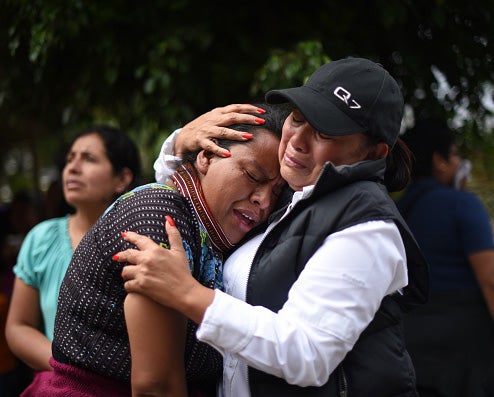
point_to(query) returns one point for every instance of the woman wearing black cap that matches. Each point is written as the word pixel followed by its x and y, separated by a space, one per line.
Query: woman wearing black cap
pixel 317 299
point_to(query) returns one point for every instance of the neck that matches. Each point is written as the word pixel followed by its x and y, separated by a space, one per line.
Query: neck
pixel 81 221
pixel 187 182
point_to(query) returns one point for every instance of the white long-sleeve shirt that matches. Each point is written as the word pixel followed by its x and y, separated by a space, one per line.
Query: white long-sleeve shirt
pixel 332 302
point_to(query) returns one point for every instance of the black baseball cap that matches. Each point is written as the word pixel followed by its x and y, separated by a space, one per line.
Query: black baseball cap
pixel 346 97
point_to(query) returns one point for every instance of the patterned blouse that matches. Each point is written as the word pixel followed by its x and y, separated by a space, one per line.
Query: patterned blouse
pixel 90 329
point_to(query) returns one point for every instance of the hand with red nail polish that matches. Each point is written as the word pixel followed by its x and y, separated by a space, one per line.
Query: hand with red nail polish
pixel 205 130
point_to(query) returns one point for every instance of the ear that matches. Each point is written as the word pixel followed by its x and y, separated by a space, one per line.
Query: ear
pixel 380 151
pixel 124 179
pixel 438 162
pixel 203 161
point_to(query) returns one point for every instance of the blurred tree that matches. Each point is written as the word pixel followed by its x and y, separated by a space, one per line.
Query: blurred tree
pixel 153 65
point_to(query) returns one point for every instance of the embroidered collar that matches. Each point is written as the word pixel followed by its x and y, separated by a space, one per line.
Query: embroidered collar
pixel 187 182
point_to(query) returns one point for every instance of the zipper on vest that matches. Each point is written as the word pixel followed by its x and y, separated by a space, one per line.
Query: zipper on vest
pixel 264 236
pixel 342 383
pixel 245 375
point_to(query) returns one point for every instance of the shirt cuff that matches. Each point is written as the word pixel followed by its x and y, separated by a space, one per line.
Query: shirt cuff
pixel 227 323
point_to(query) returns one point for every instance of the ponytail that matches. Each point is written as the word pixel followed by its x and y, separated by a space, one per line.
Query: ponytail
pixel 398 167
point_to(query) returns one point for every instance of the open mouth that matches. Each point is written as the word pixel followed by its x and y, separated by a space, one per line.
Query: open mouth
pixel 246 219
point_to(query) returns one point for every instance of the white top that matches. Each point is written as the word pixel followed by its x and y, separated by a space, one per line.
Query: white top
pixel 166 163
pixel 306 340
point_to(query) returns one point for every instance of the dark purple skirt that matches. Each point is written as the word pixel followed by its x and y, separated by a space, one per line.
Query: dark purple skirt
pixel 69 381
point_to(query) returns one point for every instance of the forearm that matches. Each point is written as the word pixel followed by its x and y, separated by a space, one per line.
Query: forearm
pixel 275 343
pixel 483 266
pixel 30 345
pixel 23 328
pixel 487 287
pixel 488 293
pixel 157 338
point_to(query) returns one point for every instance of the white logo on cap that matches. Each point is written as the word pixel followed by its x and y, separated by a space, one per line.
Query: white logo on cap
pixel 345 96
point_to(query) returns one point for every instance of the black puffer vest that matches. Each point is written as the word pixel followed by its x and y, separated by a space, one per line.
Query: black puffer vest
pixel 378 365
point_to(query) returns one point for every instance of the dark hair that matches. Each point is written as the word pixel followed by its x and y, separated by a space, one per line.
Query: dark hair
pixel 427 137
pixel 120 149
pixel 274 117
pixel 398 167
pixel 398 164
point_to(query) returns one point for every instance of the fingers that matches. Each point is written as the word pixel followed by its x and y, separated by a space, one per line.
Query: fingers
pixel 130 256
pixel 129 272
pixel 202 132
pixel 218 117
pixel 174 236
pixel 141 242
pixel 145 244
pixel 240 108
pixel 133 255
pixel 130 285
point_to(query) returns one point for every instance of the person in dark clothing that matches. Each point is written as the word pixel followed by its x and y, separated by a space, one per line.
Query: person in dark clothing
pixel 451 339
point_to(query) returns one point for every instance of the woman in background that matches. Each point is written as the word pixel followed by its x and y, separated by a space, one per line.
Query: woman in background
pixel 101 164
pixel 451 339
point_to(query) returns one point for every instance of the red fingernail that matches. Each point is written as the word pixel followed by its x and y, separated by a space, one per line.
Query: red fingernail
pixel 247 136
pixel 262 111
pixel 260 121
pixel 170 220
pixel 115 257
pixel 227 154
pixel 124 234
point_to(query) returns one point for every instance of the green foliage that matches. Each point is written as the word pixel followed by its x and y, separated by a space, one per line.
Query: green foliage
pixel 481 183
pixel 284 69
pixel 151 66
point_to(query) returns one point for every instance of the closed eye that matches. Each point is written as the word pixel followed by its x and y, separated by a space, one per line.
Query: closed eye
pixel 251 177
pixel 297 116
pixel 322 136
pixel 297 119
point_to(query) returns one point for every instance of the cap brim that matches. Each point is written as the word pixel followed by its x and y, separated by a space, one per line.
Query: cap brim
pixel 321 113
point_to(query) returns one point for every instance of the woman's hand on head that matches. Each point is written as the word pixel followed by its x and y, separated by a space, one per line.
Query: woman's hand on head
pixel 164 274
pixel 202 132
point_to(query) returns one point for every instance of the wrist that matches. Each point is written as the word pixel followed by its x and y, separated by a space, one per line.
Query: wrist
pixel 196 301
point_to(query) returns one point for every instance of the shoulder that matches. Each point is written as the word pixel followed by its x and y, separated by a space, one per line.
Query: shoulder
pixel 152 197
pixel 463 201
pixel 143 210
pixel 48 229
pixel 366 199
pixel 467 196
pixel 46 246
pixel 149 192
pixel 470 206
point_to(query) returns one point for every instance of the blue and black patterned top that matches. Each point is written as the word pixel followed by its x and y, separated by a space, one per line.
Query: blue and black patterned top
pixel 90 330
